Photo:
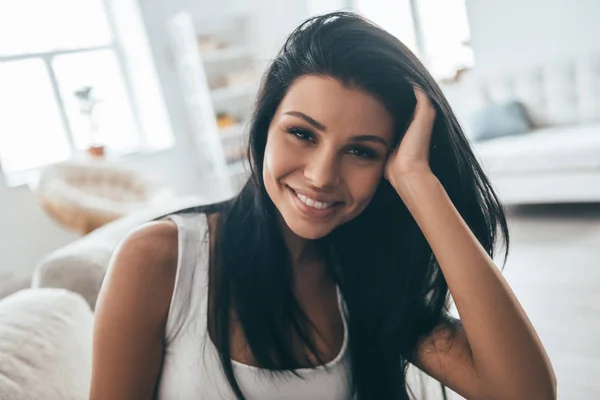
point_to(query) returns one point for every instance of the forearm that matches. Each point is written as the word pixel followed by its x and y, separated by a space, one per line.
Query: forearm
pixel 507 354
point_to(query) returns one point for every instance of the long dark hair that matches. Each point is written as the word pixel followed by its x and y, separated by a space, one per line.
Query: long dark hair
pixel 392 285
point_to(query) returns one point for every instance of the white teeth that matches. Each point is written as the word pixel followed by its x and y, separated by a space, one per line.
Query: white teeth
pixel 313 203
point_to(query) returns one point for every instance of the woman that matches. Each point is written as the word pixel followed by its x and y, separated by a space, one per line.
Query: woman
pixel 329 273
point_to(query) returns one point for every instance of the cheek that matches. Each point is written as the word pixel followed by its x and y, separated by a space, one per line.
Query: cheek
pixel 279 160
pixel 269 166
pixel 362 184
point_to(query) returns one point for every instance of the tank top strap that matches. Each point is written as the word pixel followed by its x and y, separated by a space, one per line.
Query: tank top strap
pixel 191 280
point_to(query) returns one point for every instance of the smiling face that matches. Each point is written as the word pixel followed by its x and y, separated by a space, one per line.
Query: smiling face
pixel 326 149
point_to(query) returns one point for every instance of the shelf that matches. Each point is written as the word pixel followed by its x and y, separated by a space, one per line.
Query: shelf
pixel 232 132
pixel 227 54
pixel 238 167
pixel 233 92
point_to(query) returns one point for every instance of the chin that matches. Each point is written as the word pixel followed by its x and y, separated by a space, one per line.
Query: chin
pixel 307 230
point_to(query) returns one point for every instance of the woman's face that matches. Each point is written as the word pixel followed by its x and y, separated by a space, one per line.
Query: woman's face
pixel 326 149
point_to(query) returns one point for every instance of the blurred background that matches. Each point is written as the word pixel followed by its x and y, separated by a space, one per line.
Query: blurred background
pixel 114 111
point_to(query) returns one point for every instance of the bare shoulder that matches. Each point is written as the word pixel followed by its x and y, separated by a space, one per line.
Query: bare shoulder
pixel 145 263
pixel 132 311
pixel 150 246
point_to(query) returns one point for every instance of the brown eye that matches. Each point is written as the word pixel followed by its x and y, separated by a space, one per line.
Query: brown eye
pixel 301 134
pixel 362 152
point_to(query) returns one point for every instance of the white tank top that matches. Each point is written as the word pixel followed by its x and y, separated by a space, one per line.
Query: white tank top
pixel 191 366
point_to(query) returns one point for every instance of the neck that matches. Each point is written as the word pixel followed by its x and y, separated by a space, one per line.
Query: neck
pixel 302 251
pixel 307 262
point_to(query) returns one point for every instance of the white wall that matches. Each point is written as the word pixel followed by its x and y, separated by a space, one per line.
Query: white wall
pixel 528 32
pixel 326 6
pixel 26 234
pixel 276 19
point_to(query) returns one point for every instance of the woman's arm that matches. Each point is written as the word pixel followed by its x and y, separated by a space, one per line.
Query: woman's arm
pixel 131 314
pixel 498 354
pixel 494 352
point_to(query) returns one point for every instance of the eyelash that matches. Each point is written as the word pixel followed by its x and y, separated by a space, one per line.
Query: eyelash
pixel 304 135
pixel 301 134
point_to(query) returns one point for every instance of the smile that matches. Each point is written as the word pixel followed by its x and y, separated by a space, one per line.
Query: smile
pixel 314 208
pixel 314 203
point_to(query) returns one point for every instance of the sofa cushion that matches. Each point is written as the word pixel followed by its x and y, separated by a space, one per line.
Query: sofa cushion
pixel 543 150
pixel 45 345
pixel 562 92
pixel 499 120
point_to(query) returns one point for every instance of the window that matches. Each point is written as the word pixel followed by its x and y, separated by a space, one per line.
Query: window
pixel 49 52
pixel 436 30
pixel 395 16
pixel 445 33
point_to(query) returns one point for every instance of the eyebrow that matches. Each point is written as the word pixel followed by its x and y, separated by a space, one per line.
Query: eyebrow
pixel 316 124
pixel 308 119
pixel 370 138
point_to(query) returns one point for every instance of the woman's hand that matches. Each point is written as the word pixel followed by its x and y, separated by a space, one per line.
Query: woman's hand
pixel 412 155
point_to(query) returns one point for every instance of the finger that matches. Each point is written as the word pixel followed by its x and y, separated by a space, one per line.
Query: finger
pixel 424 107
pixel 424 115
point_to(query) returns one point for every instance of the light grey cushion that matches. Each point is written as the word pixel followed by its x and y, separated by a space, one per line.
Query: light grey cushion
pixel 45 345
pixel 499 120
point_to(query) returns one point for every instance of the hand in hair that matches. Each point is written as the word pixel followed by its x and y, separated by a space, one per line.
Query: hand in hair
pixel 493 351
pixel 412 155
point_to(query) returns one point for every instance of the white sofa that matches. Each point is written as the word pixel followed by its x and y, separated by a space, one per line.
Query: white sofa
pixel 559 160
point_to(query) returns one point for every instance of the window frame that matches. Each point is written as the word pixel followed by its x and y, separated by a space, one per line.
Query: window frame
pixel 13 179
pixel 420 41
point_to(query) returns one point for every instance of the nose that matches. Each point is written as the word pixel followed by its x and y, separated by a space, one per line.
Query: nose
pixel 322 168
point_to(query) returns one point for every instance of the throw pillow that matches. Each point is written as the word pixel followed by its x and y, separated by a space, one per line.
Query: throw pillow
pixel 499 120
pixel 45 345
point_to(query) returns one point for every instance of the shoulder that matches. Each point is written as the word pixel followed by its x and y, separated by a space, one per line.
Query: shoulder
pixel 143 269
pixel 154 240
pixel 149 250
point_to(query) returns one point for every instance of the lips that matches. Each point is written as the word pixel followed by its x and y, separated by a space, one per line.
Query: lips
pixel 314 203
pixel 314 206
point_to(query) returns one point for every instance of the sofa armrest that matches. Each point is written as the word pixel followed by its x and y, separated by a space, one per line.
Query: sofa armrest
pixel 79 268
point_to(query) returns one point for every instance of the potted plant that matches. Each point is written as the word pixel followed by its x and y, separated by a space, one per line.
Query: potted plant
pixel 87 102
